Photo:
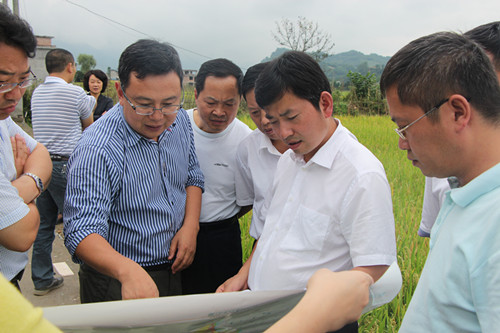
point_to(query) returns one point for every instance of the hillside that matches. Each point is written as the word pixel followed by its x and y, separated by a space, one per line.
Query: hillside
pixel 338 65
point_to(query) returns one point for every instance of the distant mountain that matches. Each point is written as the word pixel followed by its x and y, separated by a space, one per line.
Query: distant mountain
pixel 279 51
pixel 338 65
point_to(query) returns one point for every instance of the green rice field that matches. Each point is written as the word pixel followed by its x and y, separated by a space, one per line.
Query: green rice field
pixel 407 184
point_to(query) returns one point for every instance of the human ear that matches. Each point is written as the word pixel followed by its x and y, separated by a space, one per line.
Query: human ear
pixel 70 67
pixel 461 111
pixel 326 104
pixel 119 92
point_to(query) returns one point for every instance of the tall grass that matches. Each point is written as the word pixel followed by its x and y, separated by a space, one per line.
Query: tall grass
pixel 407 184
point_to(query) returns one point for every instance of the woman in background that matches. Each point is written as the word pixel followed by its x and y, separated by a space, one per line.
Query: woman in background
pixel 95 82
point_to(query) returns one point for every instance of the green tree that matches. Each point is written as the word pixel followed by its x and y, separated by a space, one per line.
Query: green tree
pixel 303 35
pixel 86 62
pixel 79 76
pixel 363 68
pixel 365 96
pixel 363 85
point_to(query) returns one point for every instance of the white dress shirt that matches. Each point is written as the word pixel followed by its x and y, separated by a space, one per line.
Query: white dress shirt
pixel 256 160
pixel 335 211
pixel 435 188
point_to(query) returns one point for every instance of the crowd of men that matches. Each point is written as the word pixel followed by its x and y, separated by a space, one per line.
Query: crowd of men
pixel 152 193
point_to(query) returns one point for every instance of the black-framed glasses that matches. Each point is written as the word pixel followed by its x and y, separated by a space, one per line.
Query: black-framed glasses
pixel 6 87
pixel 401 131
pixel 147 110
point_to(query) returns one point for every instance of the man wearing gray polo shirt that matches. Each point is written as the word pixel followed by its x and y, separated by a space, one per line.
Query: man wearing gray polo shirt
pixel 60 112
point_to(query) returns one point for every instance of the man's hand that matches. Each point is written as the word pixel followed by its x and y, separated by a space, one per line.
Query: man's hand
pixel 183 248
pixel 239 281
pixel 21 153
pixel 346 291
pixel 136 283
pixel 95 251
pixel 236 283
pixel 332 300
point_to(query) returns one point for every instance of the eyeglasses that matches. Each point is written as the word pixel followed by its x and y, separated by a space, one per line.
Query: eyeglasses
pixel 6 87
pixel 147 110
pixel 401 131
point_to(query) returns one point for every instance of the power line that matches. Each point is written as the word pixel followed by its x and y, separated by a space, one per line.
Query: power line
pixel 133 29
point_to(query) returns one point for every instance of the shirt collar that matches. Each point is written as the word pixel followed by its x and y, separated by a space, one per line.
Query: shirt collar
pixel 266 144
pixel 51 79
pixel 212 135
pixel 482 184
pixel 326 154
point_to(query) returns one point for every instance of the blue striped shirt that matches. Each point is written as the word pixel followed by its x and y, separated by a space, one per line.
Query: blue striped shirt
pixel 129 189
pixel 57 108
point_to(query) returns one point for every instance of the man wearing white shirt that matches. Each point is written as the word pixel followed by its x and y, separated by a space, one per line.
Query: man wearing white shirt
pixel 217 134
pixel 330 203
pixel 257 156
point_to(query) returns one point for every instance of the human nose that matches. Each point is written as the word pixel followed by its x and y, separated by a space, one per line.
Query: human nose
pixel 284 131
pixel 263 119
pixel 218 110
pixel 403 144
pixel 15 94
pixel 157 114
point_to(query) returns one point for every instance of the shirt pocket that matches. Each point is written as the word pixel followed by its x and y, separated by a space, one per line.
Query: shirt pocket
pixel 307 234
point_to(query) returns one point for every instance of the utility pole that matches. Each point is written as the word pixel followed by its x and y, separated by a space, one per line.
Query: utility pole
pixel 15 7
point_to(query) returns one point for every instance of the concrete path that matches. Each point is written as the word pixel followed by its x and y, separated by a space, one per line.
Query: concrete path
pixel 69 293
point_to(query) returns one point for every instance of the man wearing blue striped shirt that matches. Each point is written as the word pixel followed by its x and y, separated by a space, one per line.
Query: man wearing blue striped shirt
pixel 60 111
pixel 133 198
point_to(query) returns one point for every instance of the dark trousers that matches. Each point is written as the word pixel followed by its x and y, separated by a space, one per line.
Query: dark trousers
pixel 97 287
pixel 218 257
pixel 15 280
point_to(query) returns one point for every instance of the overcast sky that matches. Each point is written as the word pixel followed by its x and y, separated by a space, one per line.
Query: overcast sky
pixel 241 30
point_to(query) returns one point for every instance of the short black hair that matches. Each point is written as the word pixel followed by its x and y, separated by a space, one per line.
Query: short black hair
pixel 14 31
pixel 98 74
pixel 295 72
pixel 488 37
pixel 433 67
pixel 220 68
pixel 251 76
pixel 57 59
pixel 148 57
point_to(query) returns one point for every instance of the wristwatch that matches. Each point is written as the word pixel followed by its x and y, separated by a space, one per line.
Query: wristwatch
pixel 38 181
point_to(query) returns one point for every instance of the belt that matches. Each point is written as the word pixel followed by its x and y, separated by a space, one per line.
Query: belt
pixel 57 157
pixel 161 267
pixel 220 223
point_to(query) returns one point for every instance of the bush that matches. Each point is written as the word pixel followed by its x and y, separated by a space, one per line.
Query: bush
pixel 365 97
pixel 27 103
